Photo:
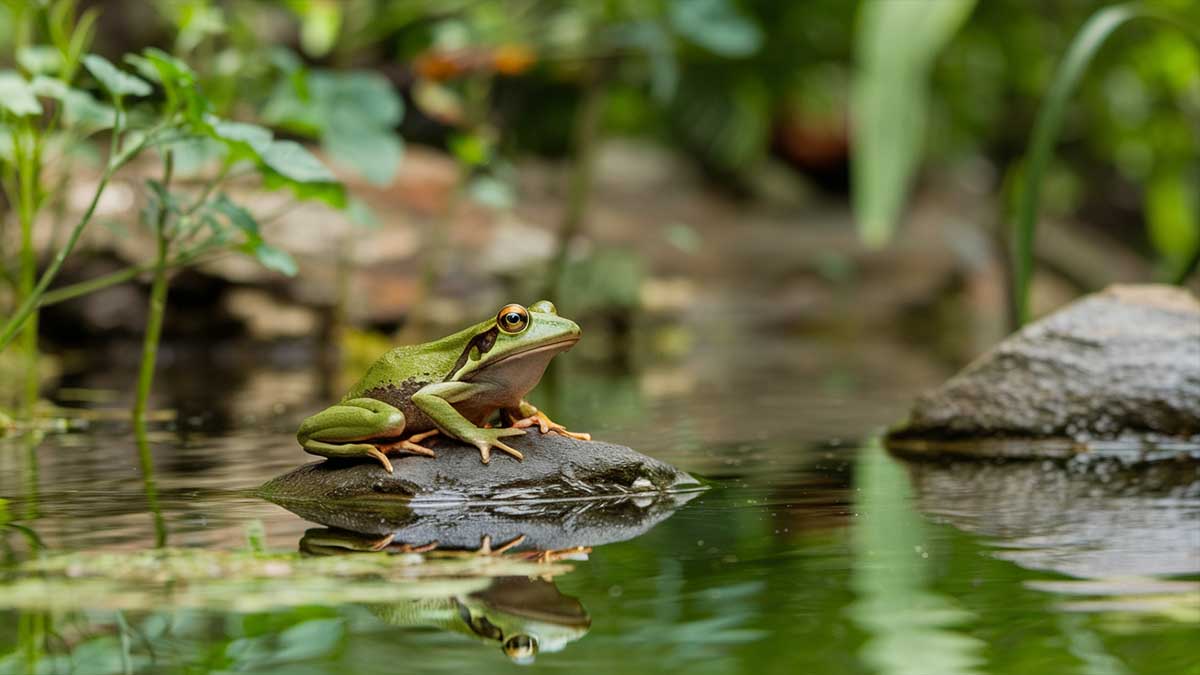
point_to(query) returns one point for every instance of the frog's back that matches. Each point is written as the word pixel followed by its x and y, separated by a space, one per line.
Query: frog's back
pixel 409 366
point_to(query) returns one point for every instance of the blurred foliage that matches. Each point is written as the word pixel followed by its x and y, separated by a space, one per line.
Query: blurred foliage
pixel 1171 223
pixel 891 102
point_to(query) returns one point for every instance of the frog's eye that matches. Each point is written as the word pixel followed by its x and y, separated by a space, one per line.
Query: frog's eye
pixel 513 319
pixel 521 648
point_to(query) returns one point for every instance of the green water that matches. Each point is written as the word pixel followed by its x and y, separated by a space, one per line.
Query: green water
pixel 813 552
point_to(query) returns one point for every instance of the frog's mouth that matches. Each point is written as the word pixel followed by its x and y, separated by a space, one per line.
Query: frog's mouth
pixel 549 347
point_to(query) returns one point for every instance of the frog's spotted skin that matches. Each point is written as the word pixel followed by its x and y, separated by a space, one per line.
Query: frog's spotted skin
pixel 451 386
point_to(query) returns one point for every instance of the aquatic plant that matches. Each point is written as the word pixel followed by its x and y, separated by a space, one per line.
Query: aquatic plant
pixel 1027 199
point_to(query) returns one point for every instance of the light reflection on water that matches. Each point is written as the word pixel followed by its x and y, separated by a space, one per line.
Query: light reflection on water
pixel 815 551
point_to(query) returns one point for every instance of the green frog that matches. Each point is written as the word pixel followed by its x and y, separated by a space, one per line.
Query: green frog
pixel 452 386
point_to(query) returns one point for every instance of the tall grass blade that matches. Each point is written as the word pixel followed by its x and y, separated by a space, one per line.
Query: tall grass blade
pixel 1046 130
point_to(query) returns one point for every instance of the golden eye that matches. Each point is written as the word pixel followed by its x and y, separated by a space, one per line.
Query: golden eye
pixel 513 318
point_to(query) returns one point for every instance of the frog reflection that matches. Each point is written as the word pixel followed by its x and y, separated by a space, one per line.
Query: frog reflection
pixel 523 616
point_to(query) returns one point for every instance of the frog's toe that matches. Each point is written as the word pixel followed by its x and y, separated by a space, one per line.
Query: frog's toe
pixel 485 450
pixel 378 454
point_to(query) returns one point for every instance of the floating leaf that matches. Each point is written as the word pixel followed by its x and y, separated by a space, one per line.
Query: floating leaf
pixel 17 96
pixel 116 81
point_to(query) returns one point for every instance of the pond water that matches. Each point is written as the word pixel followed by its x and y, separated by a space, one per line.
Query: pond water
pixel 813 551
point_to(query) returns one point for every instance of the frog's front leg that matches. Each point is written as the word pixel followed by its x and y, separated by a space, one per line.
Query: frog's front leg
pixel 527 415
pixel 353 428
pixel 437 400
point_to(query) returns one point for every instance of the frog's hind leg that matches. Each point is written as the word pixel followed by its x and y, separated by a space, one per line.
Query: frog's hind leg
pixel 349 428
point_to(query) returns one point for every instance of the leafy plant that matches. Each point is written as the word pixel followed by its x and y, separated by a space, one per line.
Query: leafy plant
pixel 187 227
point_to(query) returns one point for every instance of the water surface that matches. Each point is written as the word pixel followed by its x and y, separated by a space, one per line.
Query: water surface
pixel 814 550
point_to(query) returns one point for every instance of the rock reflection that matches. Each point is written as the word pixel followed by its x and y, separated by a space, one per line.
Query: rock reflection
pixel 522 615
pixel 1120 531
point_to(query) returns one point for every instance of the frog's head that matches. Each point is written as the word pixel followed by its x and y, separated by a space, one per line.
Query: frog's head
pixel 517 345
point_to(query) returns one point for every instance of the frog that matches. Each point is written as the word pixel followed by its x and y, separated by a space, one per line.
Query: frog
pixel 453 387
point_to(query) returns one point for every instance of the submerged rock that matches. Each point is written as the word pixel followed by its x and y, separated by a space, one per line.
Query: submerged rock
pixel 554 468
pixel 1116 370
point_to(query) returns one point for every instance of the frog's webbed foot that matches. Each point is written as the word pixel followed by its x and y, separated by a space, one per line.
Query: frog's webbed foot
pixel 547 425
pixel 486 439
pixel 409 444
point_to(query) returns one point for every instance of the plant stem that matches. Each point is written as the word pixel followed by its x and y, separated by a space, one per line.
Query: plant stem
pixel 30 303
pixel 27 180
pixel 146 461
pixel 64 293
pixel 1046 130
pixel 158 299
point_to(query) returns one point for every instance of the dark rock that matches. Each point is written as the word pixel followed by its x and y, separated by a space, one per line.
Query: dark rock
pixel 566 493
pixel 555 468
pixel 1118 369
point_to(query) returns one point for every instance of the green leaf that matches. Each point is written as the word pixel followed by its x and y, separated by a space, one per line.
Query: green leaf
pixel 237 215
pixel 248 136
pixel 470 149
pixel 895 45
pixel 333 194
pixel 40 59
pixel 275 259
pixel 321 20
pixel 374 153
pixel 17 95
pixel 116 81
pixel 1173 215
pixel 716 25
pixel 80 109
pixel 368 97
pixel 292 161
pixel 196 153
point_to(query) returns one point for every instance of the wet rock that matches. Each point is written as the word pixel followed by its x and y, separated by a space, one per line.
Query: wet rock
pixel 1117 371
pixel 555 468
